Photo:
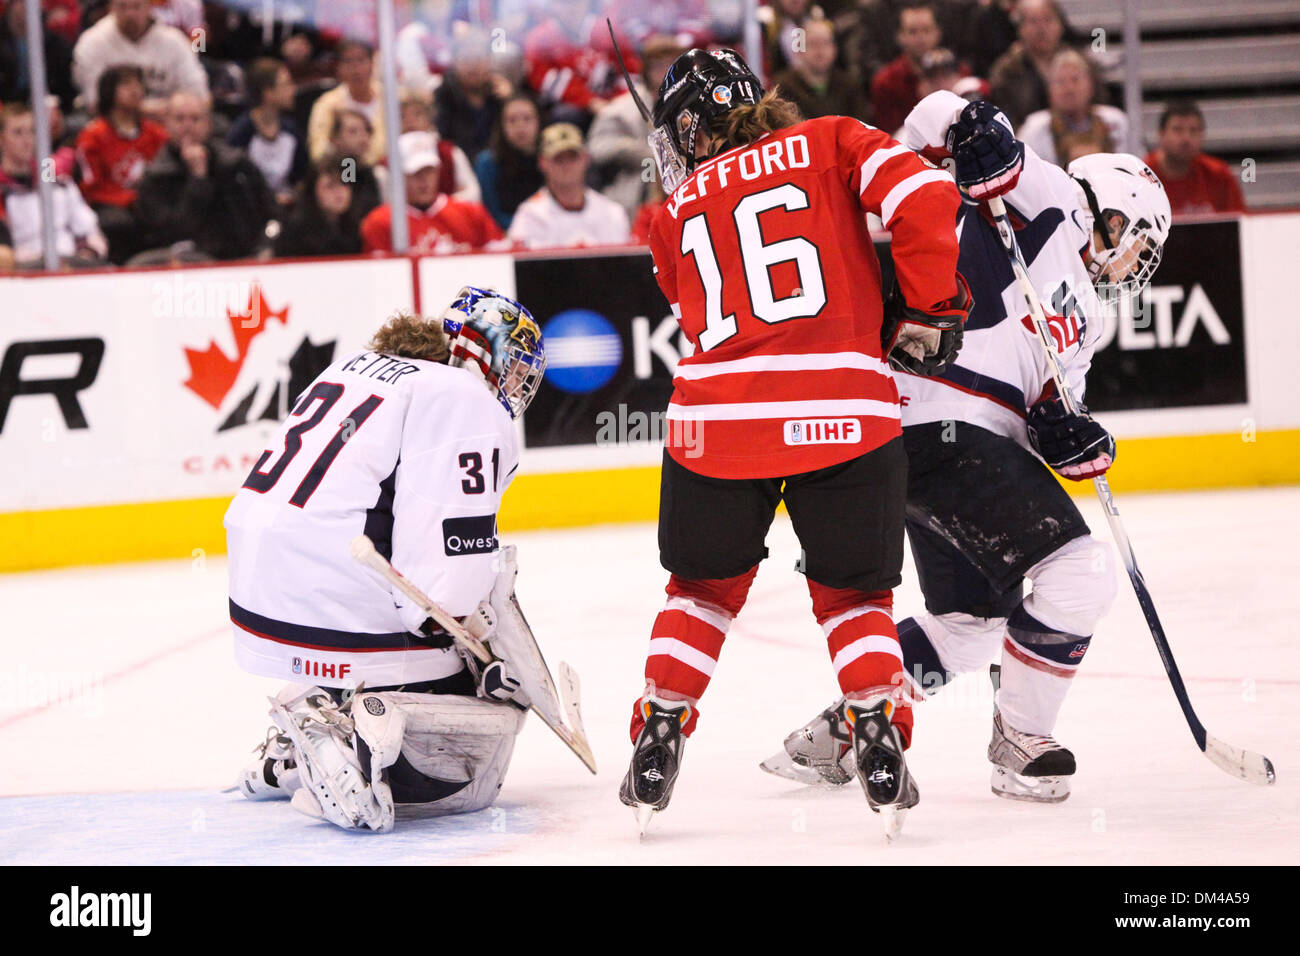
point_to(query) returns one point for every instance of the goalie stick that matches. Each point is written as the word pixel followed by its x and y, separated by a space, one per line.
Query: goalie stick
pixel 1246 764
pixel 573 734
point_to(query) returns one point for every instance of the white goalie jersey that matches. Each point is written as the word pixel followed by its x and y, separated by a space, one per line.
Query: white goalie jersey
pixel 1001 370
pixel 414 454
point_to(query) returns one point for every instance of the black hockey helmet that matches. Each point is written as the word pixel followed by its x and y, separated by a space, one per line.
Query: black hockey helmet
pixel 699 87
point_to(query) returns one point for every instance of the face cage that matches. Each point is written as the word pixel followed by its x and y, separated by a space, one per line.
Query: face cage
pixel 520 378
pixel 1130 265
pixel 672 167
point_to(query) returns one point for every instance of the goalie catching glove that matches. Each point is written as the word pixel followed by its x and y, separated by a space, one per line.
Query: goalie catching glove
pixel 1074 445
pixel 924 342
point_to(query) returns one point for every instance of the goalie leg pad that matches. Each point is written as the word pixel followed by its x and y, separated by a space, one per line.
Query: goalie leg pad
pixel 445 753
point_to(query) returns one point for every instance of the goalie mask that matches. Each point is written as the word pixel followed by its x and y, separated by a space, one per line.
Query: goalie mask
pixel 496 338
pixel 699 87
pixel 1130 208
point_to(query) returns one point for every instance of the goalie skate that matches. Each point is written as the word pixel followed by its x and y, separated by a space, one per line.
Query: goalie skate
pixel 820 753
pixel 878 755
pixel 335 786
pixel 273 773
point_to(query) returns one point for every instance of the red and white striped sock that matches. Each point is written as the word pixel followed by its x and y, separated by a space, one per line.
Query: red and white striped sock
pixel 863 643
pixel 687 638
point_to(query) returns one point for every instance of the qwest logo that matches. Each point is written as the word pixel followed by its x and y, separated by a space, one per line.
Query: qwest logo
pixel 74 909
pixel 473 534
pixel 250 385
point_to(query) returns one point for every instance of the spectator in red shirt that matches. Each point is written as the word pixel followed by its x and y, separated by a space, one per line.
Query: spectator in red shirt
pixel 894 87
pixel 64 18
pixel 1195 182
pixel 437 223
pixel 113 151
pixel 571 63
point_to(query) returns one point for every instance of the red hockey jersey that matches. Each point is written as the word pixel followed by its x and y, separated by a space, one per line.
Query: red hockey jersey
pixel 112 165
pixel 574 69
pixel 449 225
pixel 765 257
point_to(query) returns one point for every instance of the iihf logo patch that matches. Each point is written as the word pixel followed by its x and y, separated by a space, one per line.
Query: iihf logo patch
pixel 374 706
pixel 722 95
pixel 297 665
pixel 796 433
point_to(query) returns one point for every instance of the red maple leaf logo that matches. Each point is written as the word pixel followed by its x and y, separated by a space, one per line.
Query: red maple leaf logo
pixel 212 372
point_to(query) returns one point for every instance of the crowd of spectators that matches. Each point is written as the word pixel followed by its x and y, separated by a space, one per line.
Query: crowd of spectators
pixel 185 131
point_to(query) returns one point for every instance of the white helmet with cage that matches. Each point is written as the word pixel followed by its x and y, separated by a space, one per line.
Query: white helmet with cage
pixel 1129 207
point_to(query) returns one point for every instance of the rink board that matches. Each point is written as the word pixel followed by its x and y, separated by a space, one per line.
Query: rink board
pixel 132 404
pixel 192 529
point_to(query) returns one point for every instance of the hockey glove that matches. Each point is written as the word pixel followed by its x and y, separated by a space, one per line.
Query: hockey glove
pixel 923 343
pixel 1073 445
pixel 987 155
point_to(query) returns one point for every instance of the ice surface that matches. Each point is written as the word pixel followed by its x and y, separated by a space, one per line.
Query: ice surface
pixel 152 718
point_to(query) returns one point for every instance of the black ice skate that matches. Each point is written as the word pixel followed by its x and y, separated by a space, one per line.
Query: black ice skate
pixel 648 786
pixel 819 752
pixel 881 766
pixel 1031 767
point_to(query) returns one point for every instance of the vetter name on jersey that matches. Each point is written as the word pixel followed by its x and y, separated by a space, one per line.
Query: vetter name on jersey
pixel 384 368
pixel 762 159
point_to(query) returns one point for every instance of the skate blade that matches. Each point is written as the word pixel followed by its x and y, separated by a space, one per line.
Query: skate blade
pixel 304 802
pixel 782 765
pixel 644 813
pixel 1010 785
pixel 893 817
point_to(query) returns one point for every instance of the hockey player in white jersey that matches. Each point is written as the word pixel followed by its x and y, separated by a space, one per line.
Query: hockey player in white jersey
pixel 413 443
pixel 983 513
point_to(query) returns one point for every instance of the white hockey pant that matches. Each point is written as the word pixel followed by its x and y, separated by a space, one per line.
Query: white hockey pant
pixel 1042 642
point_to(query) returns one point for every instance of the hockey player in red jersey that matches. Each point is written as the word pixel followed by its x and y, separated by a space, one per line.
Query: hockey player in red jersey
pixel 984 512
pixel 764 255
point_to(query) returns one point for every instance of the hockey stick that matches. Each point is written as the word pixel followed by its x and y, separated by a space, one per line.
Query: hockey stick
pixel 1246 764
pixel 574 735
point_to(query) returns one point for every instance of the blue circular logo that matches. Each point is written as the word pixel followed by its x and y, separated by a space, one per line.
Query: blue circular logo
pixel 583 350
